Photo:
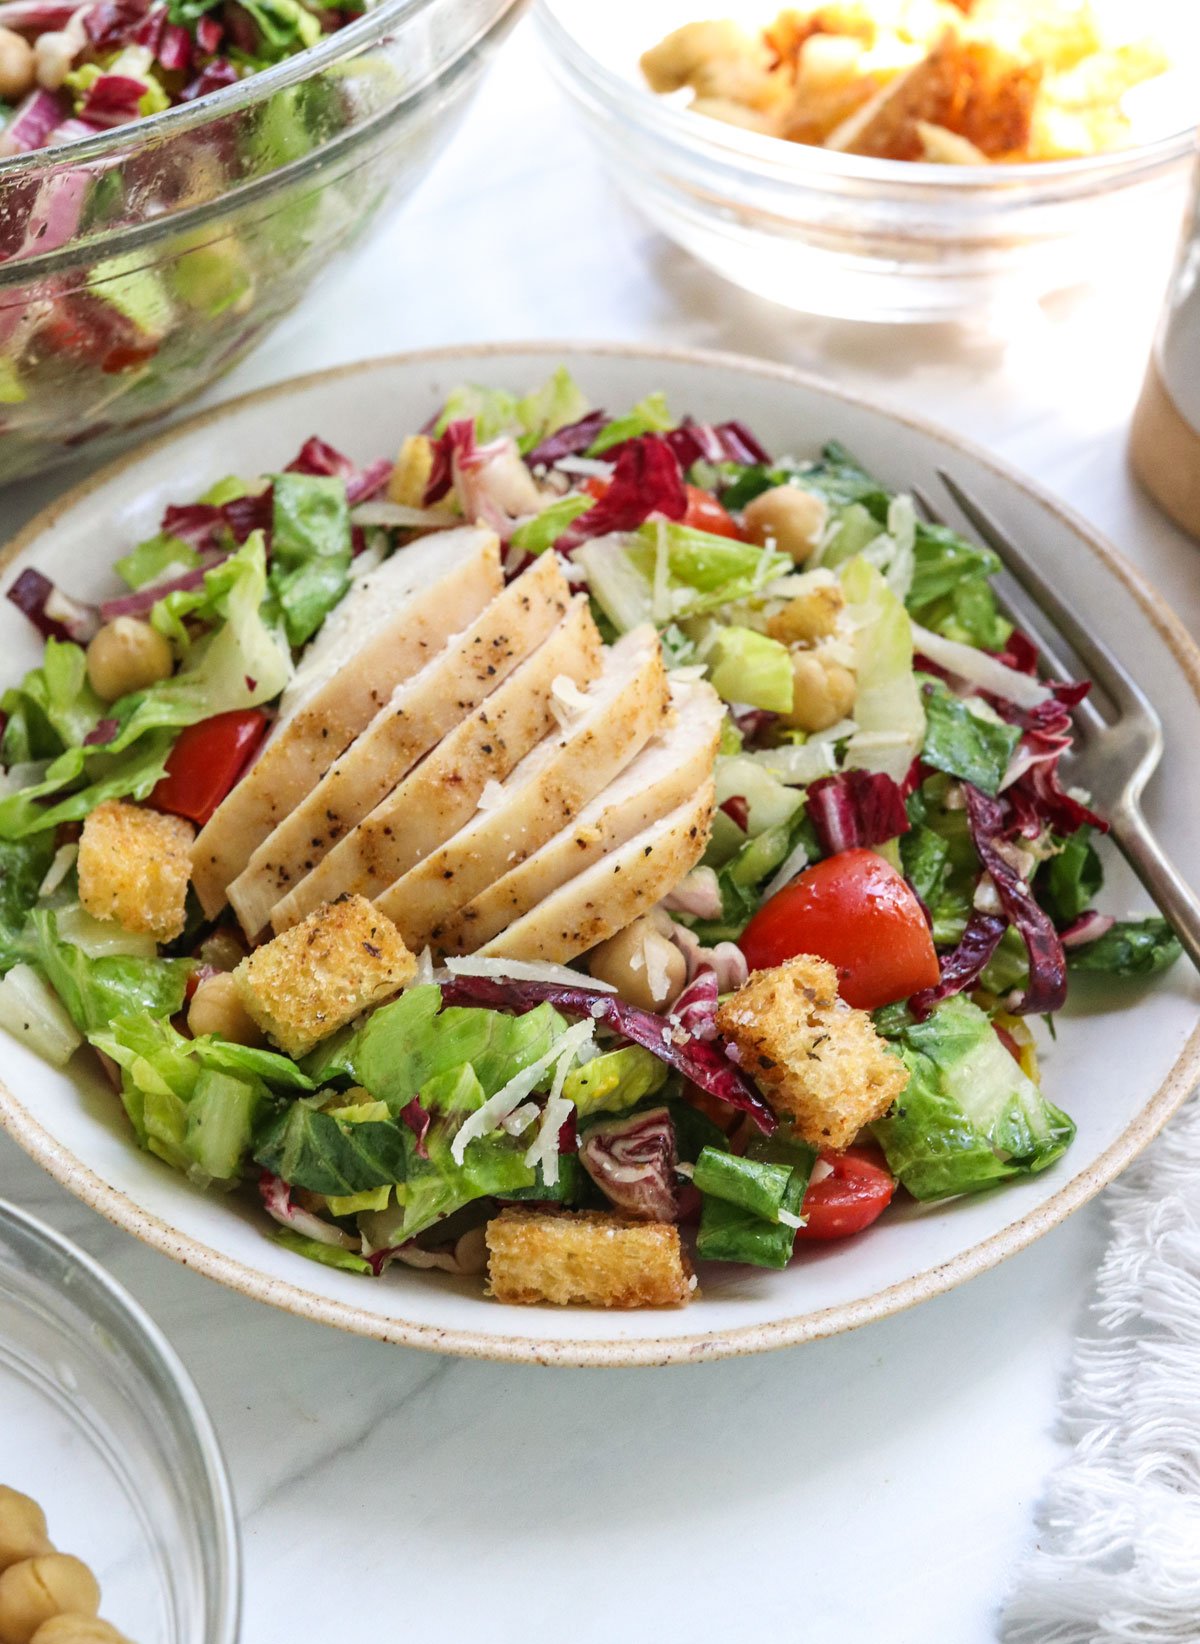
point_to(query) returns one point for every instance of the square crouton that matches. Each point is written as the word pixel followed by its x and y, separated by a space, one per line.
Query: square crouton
pixel 821 1065
pixel 587 1257
pixel 313 979
pixel 134 866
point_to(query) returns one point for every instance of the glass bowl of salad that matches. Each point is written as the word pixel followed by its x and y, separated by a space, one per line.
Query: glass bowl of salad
pixel 857 236
pixel 167 203
pixel 125 1464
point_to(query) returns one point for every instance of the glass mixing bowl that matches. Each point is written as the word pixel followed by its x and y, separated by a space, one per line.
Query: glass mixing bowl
pixel 139 264
pixel 838 234
pixel 102 1425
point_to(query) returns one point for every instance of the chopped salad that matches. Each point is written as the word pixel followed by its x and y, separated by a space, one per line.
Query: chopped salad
pixel 770 963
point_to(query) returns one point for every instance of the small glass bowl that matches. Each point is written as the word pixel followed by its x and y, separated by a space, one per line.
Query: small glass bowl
pixel 104 1428
pixel 839 234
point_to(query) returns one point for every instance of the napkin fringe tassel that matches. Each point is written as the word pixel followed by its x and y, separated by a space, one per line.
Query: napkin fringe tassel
pixel 1117 1560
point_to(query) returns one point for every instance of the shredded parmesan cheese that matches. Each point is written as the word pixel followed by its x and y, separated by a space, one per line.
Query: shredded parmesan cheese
pixel 544 1152
pixel 497 1108
pixel 60 867
pixel 567 701
pixel 492 795
pixel 525 970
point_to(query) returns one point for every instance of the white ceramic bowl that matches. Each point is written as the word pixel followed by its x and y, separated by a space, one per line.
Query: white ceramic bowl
pixel 1123 1061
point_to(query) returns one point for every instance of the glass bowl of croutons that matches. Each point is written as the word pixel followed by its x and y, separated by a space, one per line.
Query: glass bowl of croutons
pixel 893 160
pixel 116 1517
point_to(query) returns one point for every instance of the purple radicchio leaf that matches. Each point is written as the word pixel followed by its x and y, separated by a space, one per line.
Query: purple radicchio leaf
pixel 1047 990
pixel 632 1161
pixel 54 614
pixel 962 968
pixel 571 441
pixel 856 808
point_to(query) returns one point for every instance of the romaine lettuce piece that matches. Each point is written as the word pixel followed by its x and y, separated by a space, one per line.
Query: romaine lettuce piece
pixel 887 705
pixel 53 708
pixel 730 1229
pixel 966 739
pixel 408 1044
pixel 23 865
pixel 544 530
pixel 649 416
pixel 614 1082
pixel 1130 947
pixel 1068 882
pixel 98 991
pixel 220 1121
pixel 308 1148
pixel 310 550
pixel 329 1255
pixel 970 1116
pixel 663 572
pixel 152 560
pixel 746 666
pixel 951 591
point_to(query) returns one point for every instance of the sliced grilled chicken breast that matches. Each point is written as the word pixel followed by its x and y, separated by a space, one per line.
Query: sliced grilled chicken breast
pixel 443 791
pixel 388 625
pixel 604 729
pixel 422 709
pixel 675 764
pixel 609 895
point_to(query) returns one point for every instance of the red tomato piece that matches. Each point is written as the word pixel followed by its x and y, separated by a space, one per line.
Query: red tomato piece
pixel 857 912
pixel 857 1190
pixel 206 762
pixel 705 513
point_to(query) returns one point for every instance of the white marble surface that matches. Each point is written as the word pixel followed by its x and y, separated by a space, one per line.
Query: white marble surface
pixel 880 1485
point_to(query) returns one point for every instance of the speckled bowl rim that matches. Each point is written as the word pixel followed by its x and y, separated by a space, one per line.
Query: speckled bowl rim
pixel 247 1281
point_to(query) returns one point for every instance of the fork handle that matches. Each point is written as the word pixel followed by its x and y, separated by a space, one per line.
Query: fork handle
pixel 1175 897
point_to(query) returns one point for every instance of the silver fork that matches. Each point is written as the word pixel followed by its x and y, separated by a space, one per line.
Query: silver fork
pixel 1119 736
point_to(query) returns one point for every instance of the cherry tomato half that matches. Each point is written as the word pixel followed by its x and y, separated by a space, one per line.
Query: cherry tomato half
pixel 206 762
pixel 705 513
pixel 856 1190
pixel 856 911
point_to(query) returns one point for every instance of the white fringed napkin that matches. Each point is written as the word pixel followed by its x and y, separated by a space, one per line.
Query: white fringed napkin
pixel 1118 1554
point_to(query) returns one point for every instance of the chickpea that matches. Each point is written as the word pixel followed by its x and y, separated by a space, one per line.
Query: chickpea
pixel 38 1588
pixel 217 1008
pixel 810 616
pixel 788 518
pixel 644 966
pixel 77 1629
pixel 127 655
pixel 54 56
pixel 822 693
pixel 18 73
pixel 22 1528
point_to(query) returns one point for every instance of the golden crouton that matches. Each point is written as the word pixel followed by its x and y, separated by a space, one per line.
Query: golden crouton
pixel 412 472
pixel 820 1065
pixel 134 866
pixel 809 617
pixel 313 979
pixel 885 128
pixel 587 1257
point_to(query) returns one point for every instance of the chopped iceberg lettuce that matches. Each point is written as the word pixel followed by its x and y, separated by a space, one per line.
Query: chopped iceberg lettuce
pixel 888 714
pixel 970 1116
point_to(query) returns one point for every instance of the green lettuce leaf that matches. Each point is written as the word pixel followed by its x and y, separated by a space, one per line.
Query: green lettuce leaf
pixel 614 1082
pixel 97 991
pixel 970 1116
pixel 1132 947
pixel 23 865
pixel 967 740
pixel 746 666
pixel 53 708
pixel 887 706
pixel 733 1226
pixel 951 590
pixel 321 1152
pixel 310 550
pixel 329 1255
pixel 664 572
pixel 1068 883
pixel 649 416
pixel 544 530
